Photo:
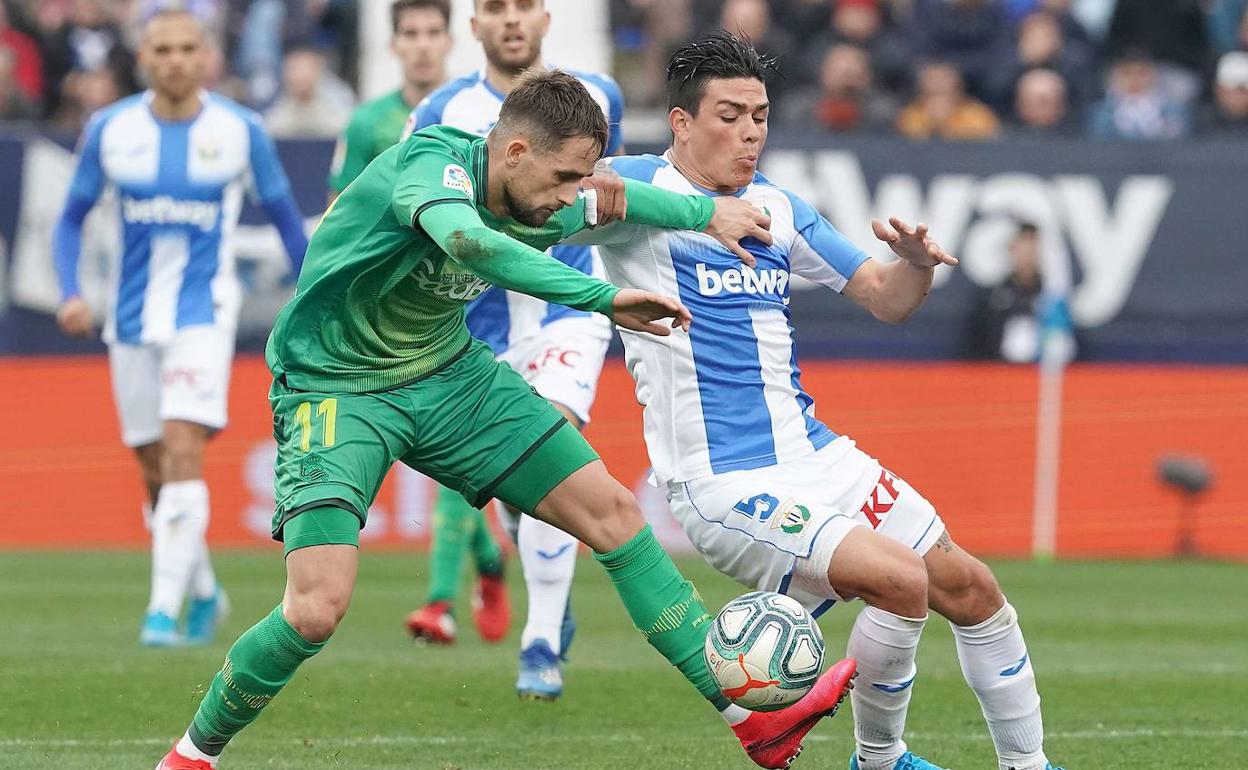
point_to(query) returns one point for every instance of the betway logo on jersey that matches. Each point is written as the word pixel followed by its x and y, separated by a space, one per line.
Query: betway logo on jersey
pixel 451 284
pixel 165 210
pixel 746 280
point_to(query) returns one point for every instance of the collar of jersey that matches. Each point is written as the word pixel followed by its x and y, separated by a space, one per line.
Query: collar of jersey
pixel 479 158
pixel 667 156
pixel 149 94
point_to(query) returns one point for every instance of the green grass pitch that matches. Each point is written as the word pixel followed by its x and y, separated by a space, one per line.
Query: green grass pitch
pixel 1141 665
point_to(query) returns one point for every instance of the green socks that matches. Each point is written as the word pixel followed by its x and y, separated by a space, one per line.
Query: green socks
pixel 665 607
pixel 256 668
pixel 456 526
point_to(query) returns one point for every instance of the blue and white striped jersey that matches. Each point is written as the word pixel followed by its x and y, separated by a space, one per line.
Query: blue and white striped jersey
pixel 180 189
pixel 726 396
pixel 498 317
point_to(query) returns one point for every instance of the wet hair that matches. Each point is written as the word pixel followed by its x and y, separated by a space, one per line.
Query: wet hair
pixel 718 55
pixel 550 108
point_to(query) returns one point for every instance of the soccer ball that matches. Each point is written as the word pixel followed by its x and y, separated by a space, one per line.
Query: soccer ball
pixel 764 650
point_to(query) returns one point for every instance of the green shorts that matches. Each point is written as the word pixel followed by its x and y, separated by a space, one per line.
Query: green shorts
pixel 474 426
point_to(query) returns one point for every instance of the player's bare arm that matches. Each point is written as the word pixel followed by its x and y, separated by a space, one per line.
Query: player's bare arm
pixel 893 291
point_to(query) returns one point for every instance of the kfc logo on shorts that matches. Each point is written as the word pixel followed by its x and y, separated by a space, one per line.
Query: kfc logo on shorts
pixel 182 375
pixel 551 356
pixel 881 499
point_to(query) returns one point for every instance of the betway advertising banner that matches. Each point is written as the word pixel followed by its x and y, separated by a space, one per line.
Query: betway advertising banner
pixel 1144 236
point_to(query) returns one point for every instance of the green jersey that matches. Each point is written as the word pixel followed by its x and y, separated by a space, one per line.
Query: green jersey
pixel 380 299
pixel 374 128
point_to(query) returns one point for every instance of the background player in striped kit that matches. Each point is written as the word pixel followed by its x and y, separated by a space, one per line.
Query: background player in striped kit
pixel 179 159
pixel 766 492
pixel 560 352
pixel 421 42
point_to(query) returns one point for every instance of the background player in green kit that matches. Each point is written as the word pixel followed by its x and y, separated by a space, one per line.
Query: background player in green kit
pixel 373 364
pixel 421 42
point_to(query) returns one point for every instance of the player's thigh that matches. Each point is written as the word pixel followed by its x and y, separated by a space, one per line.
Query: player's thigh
pixel 765 528
pixel 135 374
pixel 333 452
pixel 563 362
pixel 195 376
pixel 588 504
pixel 484 432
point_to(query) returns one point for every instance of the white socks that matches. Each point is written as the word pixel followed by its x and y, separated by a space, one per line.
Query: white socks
pixel 884 645
pixel 178 547
pixel 548 556
pixel 996 665
pixel 187 748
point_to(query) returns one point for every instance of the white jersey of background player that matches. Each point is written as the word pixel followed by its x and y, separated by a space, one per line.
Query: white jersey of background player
pixel 559 350
pixel 179 159
pixel 765 490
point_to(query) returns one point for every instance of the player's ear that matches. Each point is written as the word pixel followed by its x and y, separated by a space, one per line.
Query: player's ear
pixel 514 152
pixel 678 120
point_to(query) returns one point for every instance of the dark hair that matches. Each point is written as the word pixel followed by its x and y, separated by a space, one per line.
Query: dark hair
pixel 399 6
pixel 718 55
pixel 550 108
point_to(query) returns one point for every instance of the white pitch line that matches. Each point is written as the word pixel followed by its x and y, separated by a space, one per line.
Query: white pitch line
pixel 447 740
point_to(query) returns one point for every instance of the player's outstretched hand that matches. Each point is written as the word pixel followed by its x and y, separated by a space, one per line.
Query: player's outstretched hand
pixel 74 318
pixel 912 243
pixel 733 220
pixel 608 193
pixel 641 311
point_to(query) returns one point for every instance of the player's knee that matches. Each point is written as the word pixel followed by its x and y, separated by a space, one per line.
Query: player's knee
pixel 315 616
pixel 616 519
pixel 967 594
pixel 899 585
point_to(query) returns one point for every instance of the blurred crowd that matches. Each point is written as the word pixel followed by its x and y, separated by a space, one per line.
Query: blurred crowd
pixel 970 69
pixel 950 69
pixel 292 59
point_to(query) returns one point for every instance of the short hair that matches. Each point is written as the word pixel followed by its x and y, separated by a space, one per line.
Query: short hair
pixel 718 55
pixel 550 108
pixel 399 6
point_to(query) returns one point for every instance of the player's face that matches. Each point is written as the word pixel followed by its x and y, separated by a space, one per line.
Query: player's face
pixel 421 43
pixel 723 141
pixel 174 55
pixel 511 31
pixel 540 183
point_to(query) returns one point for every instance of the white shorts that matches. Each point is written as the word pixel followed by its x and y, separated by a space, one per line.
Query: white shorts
pixel 563 360
pixel 775 528
pixel 186 378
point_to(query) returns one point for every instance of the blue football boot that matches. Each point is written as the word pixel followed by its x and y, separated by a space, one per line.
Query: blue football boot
pixel 203 615
pixel 159 630
pixel 540 678
pixel 907 761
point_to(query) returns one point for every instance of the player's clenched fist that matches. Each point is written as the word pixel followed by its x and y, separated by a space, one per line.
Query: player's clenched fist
pixel 74 318
pixel 640 311
pixel 735 219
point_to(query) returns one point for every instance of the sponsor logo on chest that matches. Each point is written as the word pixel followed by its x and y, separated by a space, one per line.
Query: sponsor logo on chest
pixel 744 280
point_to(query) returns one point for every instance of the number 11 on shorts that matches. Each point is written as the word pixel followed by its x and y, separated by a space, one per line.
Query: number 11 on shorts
pixel 328 409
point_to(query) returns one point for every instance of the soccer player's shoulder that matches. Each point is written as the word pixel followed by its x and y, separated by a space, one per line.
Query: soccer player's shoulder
pixel 226 110
pixel 600 82
pixel 132 104
pixel 433 105
pixel 642 168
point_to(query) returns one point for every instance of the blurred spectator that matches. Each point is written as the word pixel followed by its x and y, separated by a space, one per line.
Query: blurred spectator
pixel 1228 25
pixel 26 67
pixel 751 20
pixel 973 35
pixel 1042 42
pixel 13 102
pixel 1004 322
pixel 307 106
pixel 1230 93
pixel 88 39
pixel 942 109
pixel 82 93
pixel 1041 106
pixel 861 23
pixel 1136 106
pixel 845 100
pixel 1172 33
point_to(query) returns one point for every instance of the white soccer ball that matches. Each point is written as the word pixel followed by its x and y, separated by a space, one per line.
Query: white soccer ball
pixel 764 650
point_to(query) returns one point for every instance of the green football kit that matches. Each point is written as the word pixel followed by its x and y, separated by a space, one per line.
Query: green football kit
pixel 372 364
pixel 375 127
